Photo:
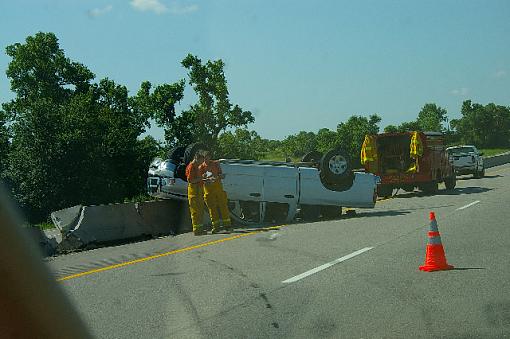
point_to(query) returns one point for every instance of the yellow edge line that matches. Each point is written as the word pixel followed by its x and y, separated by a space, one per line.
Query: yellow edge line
pixel 152 257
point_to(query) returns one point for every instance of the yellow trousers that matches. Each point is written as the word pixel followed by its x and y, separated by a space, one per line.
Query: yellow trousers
pixel 217 203
pixel 196 205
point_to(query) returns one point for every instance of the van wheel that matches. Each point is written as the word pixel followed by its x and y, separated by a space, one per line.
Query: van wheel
pixel 335 166
pixel 310 212
pixel 450 182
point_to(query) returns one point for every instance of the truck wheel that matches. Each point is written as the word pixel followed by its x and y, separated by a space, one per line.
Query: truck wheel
pixel 313 156
pixel 331 212
pixel 190 151
pixel 384 191
pixel 408 188
pixel 429 187
pixel 480 174
pixel 176 154
pixel 450 182
pixel 310 212
pixel 335 166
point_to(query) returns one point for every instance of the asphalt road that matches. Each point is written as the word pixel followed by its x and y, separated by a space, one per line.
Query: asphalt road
pixel 250 285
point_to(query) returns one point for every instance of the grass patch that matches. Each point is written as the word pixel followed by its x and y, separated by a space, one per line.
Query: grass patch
pixel 489 152
pixel 45 225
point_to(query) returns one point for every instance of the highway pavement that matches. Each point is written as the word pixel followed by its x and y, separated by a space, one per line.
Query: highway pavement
pixel 347 278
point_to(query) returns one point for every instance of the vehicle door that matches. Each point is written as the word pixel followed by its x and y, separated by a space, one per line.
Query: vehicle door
pixel 281 188
pixel 243 181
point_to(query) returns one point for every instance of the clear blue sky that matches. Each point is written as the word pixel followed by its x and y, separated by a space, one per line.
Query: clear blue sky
pixel 298 65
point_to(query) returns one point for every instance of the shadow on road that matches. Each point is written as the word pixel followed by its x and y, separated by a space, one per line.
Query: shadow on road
pixel 467 268
pixel 485 177
pixel 382 213
pixel 457 191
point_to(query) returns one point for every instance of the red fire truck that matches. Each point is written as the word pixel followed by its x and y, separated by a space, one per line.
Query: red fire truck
pixel 408 160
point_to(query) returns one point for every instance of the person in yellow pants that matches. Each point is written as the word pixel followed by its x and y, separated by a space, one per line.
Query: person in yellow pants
pixel 214 195
pixel 196 193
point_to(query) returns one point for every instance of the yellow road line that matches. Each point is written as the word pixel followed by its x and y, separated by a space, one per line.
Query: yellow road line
pixel 152 257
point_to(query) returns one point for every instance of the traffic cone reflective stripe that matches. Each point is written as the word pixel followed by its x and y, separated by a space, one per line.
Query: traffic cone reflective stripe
pixel 435 259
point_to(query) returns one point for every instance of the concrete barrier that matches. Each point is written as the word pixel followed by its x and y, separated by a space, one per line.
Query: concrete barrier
pixel 47 246
pixel 83 225
pixel 497 160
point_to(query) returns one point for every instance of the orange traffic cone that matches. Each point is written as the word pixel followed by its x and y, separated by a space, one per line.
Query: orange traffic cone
pixel 435 259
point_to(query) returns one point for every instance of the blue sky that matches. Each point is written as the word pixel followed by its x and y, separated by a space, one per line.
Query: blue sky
pixel 297 65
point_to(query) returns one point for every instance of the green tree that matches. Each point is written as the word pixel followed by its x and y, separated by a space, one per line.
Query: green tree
pixel 326 140
pixel 213 114
pixel 484 126
pixel 299 144
pixel 240 144
pixel 431 118
pixel 73 141
pixel 391 129
pixel 160 106
pixel 350 135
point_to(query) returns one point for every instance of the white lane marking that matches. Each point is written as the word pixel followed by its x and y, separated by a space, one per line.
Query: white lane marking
pixel 468 205
pixel 327 265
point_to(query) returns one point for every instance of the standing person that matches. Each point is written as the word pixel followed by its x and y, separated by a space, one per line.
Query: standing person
pixel 215 197
pixel 196 193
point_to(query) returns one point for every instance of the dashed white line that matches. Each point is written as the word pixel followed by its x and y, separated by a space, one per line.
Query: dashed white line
pixel 327 265
pixel 468 205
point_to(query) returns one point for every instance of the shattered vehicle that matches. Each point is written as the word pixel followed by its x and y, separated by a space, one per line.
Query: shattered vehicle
pixel 408 160
pixel 269 191
pixel 467 160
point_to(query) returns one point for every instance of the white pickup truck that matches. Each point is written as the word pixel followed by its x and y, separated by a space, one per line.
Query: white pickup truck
pixel 263 191
pixel 467 159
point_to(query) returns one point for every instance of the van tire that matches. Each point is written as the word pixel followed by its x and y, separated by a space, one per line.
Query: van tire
pixel 335 167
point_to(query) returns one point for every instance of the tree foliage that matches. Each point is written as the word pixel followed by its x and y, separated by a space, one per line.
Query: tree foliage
pixel 352 133
pixel 73 141
pixel 213 114
pixel 484 126
pixel 431 118
pixel 240 144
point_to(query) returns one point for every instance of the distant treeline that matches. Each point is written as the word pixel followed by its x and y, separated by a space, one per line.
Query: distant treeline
pixel 66 139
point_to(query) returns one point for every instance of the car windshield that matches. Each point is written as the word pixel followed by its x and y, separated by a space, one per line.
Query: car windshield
pixel 460 150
